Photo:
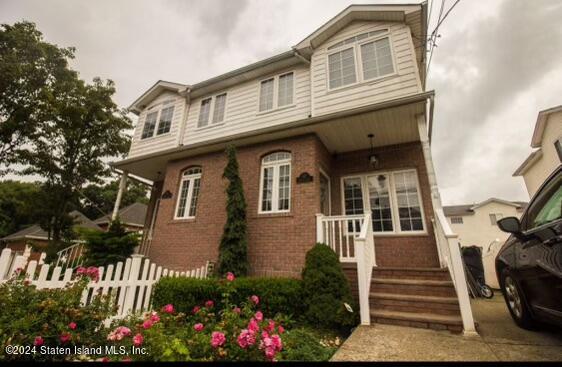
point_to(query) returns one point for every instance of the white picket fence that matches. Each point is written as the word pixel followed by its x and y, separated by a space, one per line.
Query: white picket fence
pixel 128 284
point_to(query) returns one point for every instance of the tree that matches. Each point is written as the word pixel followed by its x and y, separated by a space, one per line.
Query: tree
pixel 233 249
pixel 17 205
pixel 105 248
pixel 98 200
pixel 29 69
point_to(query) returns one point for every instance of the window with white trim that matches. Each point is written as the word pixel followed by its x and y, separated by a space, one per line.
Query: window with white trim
pixel 494 217
pixel 162 116
pixel 189 193
pixel 275 186
pixel 360 58
pixel 277 92
pixel 393 198
pixel 212 109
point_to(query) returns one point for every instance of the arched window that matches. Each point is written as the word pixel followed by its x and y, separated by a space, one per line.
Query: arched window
pixel 275 187
pixel 188 193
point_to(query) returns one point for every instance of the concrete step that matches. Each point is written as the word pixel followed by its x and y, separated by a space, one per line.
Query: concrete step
pixel 411 273
pixel 438 288
pixel 414 303
pixel 416 319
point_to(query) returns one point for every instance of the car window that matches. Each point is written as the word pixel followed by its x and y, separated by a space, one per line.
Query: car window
pixel 548 208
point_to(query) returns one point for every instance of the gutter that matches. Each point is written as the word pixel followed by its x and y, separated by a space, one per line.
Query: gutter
pixel 130 176
pixel 430 119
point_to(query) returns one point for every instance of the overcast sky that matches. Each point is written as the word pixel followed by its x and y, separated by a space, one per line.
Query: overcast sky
pixel 498 62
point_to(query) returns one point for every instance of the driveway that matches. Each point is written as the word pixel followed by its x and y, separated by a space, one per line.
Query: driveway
pixel 499 340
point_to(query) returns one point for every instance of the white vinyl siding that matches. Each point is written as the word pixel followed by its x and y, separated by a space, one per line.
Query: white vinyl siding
pixel 494 218
pixel 393 198
pixel 342 68
pixel 286 90
pixel 218 110
pixel 376 58
pixel 266 94
pixel 204 112
pixel 188 194
pixel 275 186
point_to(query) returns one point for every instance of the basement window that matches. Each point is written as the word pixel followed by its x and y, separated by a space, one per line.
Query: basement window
pixel 456 220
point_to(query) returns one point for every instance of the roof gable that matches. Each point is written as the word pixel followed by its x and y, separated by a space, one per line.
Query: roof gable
pixel 153 92
pixel 540 125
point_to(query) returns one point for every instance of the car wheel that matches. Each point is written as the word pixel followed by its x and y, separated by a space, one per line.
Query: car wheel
pixel 486 291
pixel 515 301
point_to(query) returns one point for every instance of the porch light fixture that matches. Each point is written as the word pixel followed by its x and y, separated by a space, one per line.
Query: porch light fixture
pixel 373 159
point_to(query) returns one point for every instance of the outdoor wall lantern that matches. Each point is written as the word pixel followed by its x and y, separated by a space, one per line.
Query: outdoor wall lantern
pixel 373 159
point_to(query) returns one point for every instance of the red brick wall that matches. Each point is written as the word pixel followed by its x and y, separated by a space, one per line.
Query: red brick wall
pixel 393 251
pixel 277 242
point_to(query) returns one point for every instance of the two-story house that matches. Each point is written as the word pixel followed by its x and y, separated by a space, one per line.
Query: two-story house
pixel 333 142
pixel 547 156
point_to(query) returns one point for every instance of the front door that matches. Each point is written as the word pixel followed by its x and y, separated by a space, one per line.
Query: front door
pixel 324 194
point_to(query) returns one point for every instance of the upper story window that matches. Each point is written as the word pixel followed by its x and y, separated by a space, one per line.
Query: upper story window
pixel 275 187
pixel 163 117
pixel 276 92
pixel 212 109
pixel 360 58
pixel 494 217
pixel 393 198
pixel 188 193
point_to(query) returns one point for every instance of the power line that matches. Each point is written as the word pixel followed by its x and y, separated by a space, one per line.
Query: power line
pixel 434 34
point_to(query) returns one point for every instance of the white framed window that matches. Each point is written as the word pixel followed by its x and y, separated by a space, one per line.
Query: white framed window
pixel 457 220
pixel 204 112
pixel 212 109
pixel 360 58
pixel 277 92
pixel 275 183
pixel 494 217
pixel 394 199
pixel 162 116
pixel 188 193
pixel 218 110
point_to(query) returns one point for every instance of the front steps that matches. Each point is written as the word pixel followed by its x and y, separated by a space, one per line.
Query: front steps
pixel 415 297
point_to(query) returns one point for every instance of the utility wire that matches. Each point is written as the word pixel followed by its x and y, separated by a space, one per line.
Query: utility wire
pixel 434 34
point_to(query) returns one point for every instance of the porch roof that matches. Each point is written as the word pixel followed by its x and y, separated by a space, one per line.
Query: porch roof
pixel 392 122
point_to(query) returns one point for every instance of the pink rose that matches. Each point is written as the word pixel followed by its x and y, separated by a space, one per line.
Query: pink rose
pixel 168 308
pixel 123 330
pixel 281 329
pixel 137 340
pixel 154 317
pixel 277 342
pixel 236 310
pixel 270 326
pixel 72 325
pixel 196 309
pixel 105 359
pixel 65 337
pixel 38 341
pixel 253 325
pixel 230 277
pixel 217 339
pixel 270 353
pixel 259 316
pixel 255 299
pixel 147 324
pixel 198 327
pixel 246 338
pixel 209 304
pixel 265 336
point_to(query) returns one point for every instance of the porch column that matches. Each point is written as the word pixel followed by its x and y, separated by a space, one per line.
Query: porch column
pixel 424 139
pixel 122 187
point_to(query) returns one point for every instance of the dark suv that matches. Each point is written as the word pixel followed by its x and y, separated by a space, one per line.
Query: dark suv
pixel 529 265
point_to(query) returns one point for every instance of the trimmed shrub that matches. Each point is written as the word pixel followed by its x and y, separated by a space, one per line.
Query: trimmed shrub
pixel 105 248
pixel 303 345
pixel 326 290
pixel 277 295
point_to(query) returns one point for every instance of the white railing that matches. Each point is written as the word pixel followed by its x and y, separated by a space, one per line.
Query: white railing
pixel 70 257
pixel 129 284
pixel 339 233
pixel 450 256
pixel 365 255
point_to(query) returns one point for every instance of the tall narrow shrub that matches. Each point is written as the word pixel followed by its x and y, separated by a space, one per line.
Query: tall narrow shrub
pixel 233 250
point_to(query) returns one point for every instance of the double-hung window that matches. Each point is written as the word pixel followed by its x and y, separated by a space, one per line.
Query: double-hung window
pixel 212 109
pixel 164 118
pixel 188 193
pixel 275 185
pixel 360 58
pixel 393 199
pixel 276 92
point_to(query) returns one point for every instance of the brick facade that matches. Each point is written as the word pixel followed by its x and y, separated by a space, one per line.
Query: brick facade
pixel 277 242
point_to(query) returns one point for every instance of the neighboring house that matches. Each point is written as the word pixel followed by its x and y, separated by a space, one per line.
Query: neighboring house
pixel 37 238
pixel 132 217
pixel 547 141
pixel 476 226
pixel 302 123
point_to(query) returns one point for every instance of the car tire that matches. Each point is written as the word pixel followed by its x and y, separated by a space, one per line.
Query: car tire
pixel 486 291
pixel 516 301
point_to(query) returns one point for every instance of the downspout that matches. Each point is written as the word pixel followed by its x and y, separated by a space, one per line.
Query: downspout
pixel 187 97
pixel 307 62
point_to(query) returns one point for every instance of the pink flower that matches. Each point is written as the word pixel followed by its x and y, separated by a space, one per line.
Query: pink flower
pixel 196 309
pixel 38 341
pixel 123 330
pixel 281 329
pixel 217 339
pixel 154 317
pixel 105 359
pixel 137 340
pixel 264 336
pixel 72 325
pixel 277 342
pixel 198 327
pixel 270 326
pixel 255 299
pixel 147 324
pixel 246 338
pixel 236 310
pixel 259 316
pixel 253 325
pixel 270 353
pixel 230 277
pixel 209 304
pixel 169 308
pixel 127 359
pixel 65 337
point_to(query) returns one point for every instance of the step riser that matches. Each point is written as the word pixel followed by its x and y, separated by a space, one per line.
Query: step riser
pixel 420 290
pixel 417 324
pixel 411 275
pixel 417 307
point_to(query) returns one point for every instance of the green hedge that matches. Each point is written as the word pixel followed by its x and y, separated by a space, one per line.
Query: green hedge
pixel 277 295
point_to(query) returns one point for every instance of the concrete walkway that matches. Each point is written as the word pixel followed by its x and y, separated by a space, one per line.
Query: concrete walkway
pixel 499 340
